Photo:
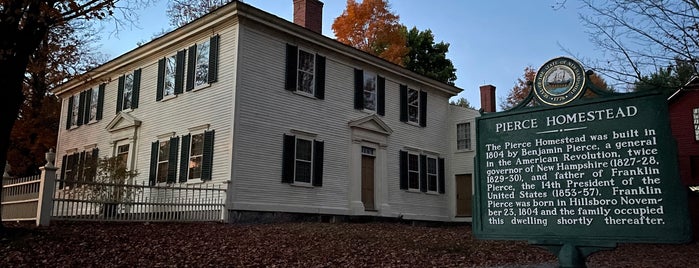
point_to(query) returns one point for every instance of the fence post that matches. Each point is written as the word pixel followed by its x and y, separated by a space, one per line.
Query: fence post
pixel 224 211
pixel 46 190
pixel 6 174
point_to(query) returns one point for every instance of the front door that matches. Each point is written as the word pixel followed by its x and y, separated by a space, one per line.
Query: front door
pixel 368 182
pixel 464 195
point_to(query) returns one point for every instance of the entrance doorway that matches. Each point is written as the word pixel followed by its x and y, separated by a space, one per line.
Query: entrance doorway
pixel 464 195
pixel 368 178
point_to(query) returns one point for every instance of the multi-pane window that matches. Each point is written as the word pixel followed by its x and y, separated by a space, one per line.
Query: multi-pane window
pixel 196 155
pixel 424 172
pixel 75 110
pixel 413 105
pixel 302 160
pixel 413 171
pixel 431 174
pixel 94 98
pixel 463 136
pixel 303 163
pixel 201 73
pixel 369 91
pixel 696 123
pixel 163 161
pixel 128 92
pixel 306 71
pixel 123 155
pixel 169 77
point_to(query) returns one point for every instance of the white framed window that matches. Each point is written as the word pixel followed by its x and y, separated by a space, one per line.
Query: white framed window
pixel 413 171
pixel 122 153
pixel 94 98
pixel 463 136
pixel 169 75
pixel 695 113
pixel 413 105
pixel 370 91
pixel 127 96
pixel 196 156
pixel 75 110
pixel 306 72
pixel 303 161
pixel 163 163
pixel 201 72
pixel 432 174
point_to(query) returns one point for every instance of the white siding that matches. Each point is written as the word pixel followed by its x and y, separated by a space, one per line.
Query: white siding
pixel 266 111
pixel 212 105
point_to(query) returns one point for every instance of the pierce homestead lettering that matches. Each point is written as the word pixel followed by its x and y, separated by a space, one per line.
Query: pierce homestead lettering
pixel 584 169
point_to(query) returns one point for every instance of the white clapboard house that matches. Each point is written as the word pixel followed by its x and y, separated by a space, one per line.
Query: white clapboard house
pixel 290 120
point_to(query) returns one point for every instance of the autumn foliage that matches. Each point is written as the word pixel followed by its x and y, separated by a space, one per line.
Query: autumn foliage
pixel 371 27
pixel 522 88
pixel 520 91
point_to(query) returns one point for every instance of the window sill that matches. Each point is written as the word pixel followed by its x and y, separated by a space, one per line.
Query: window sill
pixel 417 124
pixel 305 94
pixel 302 185
pixel 200 87
pixel 458 151
pixel 73 127
pixel 92 122
pixel 168 97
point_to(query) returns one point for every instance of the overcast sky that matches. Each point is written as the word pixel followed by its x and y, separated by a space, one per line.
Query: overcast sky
pixel 491 42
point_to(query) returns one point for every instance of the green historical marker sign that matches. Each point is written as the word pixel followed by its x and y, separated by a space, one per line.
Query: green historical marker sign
pixel 579 171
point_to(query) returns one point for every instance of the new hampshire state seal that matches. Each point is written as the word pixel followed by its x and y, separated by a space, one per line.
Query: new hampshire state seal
pixel 559 81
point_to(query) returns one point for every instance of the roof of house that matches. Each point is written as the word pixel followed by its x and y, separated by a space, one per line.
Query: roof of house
pixel 692 85
pixel 120 64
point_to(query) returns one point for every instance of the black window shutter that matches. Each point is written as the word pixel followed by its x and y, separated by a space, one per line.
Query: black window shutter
pixel 64 164
pixel 288 158
pixel 172 160
pixel 381 96
pixel 423 108
pixel 423 173
pixel 440 176
pixel 161 80
pixel 403 170
pixel 81 108
pixel 317 163
pixel 70 112
pixel 213 59
pixel 191 66
pixel 403 103
pixel 184 158
pixel 358 89
pixel 136 88
pixel 179 71
pixel 88 103
pixel 95 162
pixel 291 67
pixel 120 94
pixel 320 77
pixel 208 157
pixel 100 101
pixel 154 150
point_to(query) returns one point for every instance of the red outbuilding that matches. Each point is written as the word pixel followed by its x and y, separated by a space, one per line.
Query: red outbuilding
pixel 683 108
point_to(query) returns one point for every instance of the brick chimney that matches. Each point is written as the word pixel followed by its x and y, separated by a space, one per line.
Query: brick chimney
pixel 309 14
pixel 488 98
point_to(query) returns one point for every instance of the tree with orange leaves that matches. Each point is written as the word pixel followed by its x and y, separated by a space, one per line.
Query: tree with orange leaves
pixel 520 91
pixel 522 88
pixel 370 26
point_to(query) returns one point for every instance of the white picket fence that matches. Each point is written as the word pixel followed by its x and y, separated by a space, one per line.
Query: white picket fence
pixel 41 199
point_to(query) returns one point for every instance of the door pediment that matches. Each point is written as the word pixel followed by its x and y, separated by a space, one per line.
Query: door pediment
pixel 122 121
pixel 371 123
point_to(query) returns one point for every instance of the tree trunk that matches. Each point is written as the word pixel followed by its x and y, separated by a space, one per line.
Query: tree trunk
pixel 12 97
